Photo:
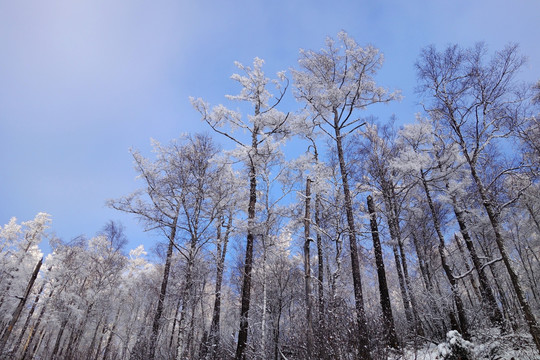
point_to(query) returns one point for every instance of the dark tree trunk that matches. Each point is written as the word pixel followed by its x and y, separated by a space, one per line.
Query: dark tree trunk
pixel 18 309
pixel 186 295
pixel 28 318
pixel 221 252
pixel 28 345
pixel 100 344
pixel 493 216
pixel 414 307
pixel 486 293
pixel 248 263
pixel 156 324
pixel 320 258
pixel 59 338
pixel 402 287
pixel 388 326
pixel 107 350
pixel 364 348
pixel 320 255
pixel 468 269
pixel 172 347
pixel 93 342
pixel 395 236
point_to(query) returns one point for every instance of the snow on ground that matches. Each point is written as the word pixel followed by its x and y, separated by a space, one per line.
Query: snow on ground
pixel 515 346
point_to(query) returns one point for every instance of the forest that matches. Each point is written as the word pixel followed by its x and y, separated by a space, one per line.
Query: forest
pixel 302 226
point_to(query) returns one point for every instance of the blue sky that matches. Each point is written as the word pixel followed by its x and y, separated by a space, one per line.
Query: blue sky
pixel 81 82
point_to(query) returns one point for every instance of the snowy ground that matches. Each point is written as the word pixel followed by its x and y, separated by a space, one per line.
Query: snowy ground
pixel 489 347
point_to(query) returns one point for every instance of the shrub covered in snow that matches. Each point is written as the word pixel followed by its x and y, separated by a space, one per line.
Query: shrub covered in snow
pixel 455 348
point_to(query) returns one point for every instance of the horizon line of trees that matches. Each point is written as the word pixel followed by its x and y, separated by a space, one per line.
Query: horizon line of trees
pixel 374 240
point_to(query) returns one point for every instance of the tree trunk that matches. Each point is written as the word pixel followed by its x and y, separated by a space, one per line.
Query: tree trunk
pixel 533 216
pixel 388 325
pixel 320 258
pixel 187 298
pixel 364 349
pixel 468 270
pixel 414 307
pixel 156 324
pixel 90 350
pixel 493 216
pixel 307 271
pixel 463 323
pixel 214 337
pixel 264 303
pixel 27 345
pixel 248 263
pixel 28 318
pixel 277 330
pixel 414 319
pixel 172 345
pixel 534 328
pixel 18 309
pixel 36 346
pixel 59 338
pixel 394 234
pixel 107 350
pixel 422 263
pixel 488 298
pixel 100 344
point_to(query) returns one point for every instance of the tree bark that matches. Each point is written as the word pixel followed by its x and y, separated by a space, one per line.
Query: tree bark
pixel 107 350
pixel 264 302
pixel 493 216
pixel 156 324
pixel 187 300
pixel 463 323
pixel 320 258
pixel 307 271
pixel 534 328
pixel 395 236
pixel 364 349
pixel 28 318
pixel 388 325
pixel 27 345
pixel 488 298
pixel 59 337
pixel 18 309
pixel 214 337
pixel 248 263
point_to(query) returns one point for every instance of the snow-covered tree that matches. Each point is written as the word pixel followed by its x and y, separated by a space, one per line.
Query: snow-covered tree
pixel 335 83
pixel 479 104
pixel 267 127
